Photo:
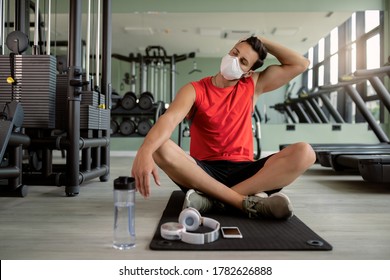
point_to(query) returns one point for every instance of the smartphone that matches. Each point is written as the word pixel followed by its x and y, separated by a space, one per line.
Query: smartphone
pixel 231 232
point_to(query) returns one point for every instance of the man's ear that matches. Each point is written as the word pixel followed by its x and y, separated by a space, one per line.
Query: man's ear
pixel 249 73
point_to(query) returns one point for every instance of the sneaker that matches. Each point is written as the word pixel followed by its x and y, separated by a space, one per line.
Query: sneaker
pixel 198 201
pixel 262 194
pixel 276 206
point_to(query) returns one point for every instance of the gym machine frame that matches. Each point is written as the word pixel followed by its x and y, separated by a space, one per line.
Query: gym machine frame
pixel 93 143
pixel 307 109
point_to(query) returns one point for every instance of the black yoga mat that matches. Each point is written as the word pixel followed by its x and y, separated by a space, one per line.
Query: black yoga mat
pixel 258 234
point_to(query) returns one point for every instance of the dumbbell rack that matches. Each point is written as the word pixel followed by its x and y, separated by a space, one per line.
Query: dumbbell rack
pixel 135 122
pixel 132 116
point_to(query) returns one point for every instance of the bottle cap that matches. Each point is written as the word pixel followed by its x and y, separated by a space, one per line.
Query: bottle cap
pixel 124 183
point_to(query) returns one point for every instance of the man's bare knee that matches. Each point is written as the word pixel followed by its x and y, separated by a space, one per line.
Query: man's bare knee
pixel 302 155
pixel 170 154
pixel 162 155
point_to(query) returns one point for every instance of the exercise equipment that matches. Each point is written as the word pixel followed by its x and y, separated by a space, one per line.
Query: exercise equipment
pixel 114 126
pixel 340 159
pixel 258 234
pixel 144 126
pixel 375 168
pixel 305 108
pixel 129 100
pixel 17 42
pixel 150 78
pixel 370 160
pixel 11 143
pixel 257 132
pixel 127 127
pixel 146 100
pixel 61 111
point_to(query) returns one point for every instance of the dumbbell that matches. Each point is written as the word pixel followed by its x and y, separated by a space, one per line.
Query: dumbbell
pixel 114 126
pixel 129 100
pixel 115 99
pixel 127 127
pixel 146 100
pixel 144 126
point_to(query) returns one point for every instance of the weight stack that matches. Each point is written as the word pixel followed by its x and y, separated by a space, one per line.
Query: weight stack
pixel 91 116
pixel 62 101
pixel 94 118
pixel 35 88
pixel 90 98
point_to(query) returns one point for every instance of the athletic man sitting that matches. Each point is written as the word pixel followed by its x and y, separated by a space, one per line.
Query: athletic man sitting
pixel 220 169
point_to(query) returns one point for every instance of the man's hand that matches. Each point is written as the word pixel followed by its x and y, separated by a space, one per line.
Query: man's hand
pixel 143 167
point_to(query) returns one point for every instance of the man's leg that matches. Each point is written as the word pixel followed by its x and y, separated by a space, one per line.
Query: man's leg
pixel 183 169
pixel 280 170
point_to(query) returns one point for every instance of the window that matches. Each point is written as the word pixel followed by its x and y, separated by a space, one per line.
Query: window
pixel 372 20
pixel 334 69
pixel 321 50
pixel 310 79
pixel 334 41
pixel 311 57
pixel 353 27
pixel 353 60
pixel 321 75
pixel 356 44
pixel 372 52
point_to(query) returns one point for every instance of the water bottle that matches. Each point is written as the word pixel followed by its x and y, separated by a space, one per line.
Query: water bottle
pixel 124 213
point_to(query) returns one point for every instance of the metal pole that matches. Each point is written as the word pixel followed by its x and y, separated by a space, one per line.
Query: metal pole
pixel 48 41
pixel 381 90
pixel 74 98
pixel 332 111
pixel 106 81
pixel 98 46
pixel 2 26
pixel 354 94
pixel 22 20
pixel 88 47
pixel 173 78
pixel 36 28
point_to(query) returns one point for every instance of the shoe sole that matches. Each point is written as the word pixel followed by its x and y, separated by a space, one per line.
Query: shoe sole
pixel 186 203
pixel 289 204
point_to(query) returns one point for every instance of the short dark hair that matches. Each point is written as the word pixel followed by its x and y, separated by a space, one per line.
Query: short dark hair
pixel 258 46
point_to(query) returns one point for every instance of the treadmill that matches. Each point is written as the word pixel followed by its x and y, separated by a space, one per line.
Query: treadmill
pixel 371 160
pixel 375 168
pixel 330 158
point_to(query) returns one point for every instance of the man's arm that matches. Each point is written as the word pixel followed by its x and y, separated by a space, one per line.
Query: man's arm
pixel 274 76
pixel 144 165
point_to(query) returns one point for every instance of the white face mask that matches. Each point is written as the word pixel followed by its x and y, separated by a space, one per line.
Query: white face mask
pixel 230 68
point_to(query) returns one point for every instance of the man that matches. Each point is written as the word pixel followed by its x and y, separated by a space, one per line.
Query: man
pixel 220 170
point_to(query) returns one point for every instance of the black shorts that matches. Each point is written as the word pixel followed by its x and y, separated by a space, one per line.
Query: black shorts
pixel 230 173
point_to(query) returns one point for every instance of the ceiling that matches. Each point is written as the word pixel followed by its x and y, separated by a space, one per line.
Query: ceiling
pixel 210 28
pixel 213 34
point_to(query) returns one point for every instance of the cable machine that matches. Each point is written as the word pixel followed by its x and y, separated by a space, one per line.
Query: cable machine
pixel 83 134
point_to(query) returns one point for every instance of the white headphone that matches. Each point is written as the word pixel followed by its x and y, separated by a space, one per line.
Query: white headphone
pixel 190 220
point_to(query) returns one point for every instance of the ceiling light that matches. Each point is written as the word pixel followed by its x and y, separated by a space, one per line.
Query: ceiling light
pixel 329 14
pixel 139 30
pixel 213 32
pixel 285 31
pixel 238 34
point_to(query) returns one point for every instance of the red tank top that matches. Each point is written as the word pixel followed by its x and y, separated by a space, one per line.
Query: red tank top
pixel 221 121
